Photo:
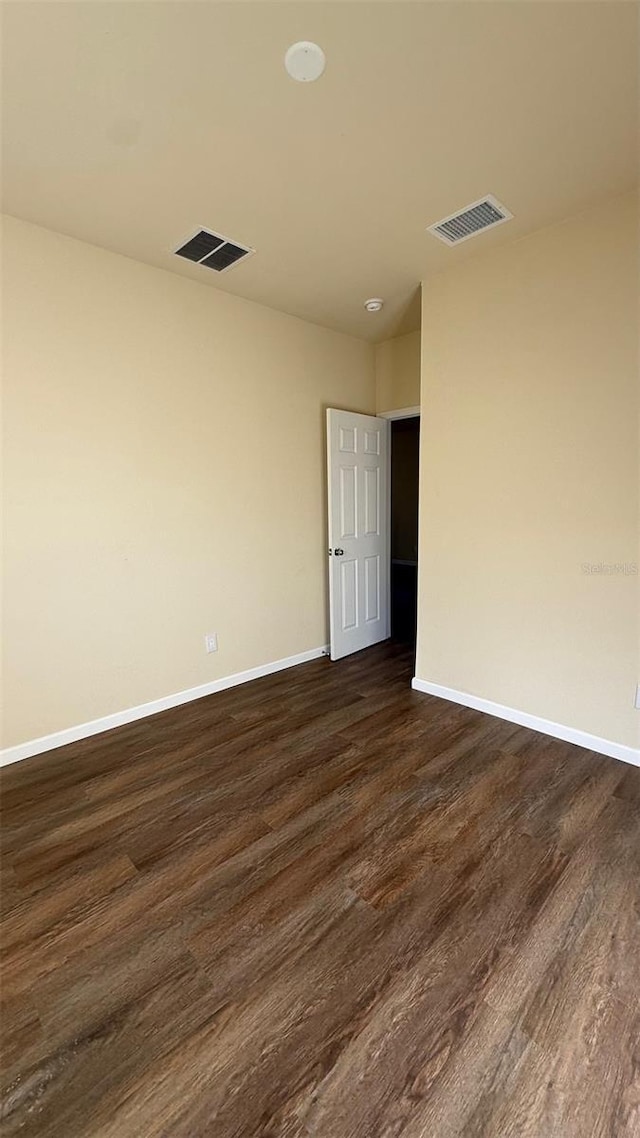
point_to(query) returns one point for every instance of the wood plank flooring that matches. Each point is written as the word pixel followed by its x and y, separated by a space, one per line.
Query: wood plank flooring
pixel 321 905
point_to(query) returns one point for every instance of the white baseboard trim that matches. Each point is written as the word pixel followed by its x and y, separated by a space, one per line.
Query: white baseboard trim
pixel 96 726
pixel 546 726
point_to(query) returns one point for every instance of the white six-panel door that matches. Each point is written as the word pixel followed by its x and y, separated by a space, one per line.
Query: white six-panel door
pixel 357 459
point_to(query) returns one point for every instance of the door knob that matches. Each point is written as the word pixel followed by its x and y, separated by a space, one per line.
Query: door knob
pixel 338 552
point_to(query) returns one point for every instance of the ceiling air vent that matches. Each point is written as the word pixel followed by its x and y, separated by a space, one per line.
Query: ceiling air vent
pixel 484 214
pixel 213 251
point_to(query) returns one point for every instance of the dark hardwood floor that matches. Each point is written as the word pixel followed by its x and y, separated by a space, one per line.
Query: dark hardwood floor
pixel 321 905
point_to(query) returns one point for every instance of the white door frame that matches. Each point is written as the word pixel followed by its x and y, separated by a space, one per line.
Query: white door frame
pixel 402 413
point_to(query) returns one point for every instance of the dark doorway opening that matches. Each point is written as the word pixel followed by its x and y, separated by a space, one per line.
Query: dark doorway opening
pixel 405 442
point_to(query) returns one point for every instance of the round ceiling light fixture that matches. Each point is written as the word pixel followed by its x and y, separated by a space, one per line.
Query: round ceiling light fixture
pixel 374 305
pixel 305 61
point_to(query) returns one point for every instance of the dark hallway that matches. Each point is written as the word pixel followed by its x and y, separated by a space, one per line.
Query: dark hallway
pixel 405 440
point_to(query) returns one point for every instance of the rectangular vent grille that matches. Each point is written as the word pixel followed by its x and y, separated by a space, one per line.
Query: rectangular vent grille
pixel 213 251
pixel 483 214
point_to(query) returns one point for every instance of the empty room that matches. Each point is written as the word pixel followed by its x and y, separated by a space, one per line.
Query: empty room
pixel 320 786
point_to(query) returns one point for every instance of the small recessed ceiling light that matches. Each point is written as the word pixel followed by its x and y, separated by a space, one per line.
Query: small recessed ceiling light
pixel 305 61
pixel 373 305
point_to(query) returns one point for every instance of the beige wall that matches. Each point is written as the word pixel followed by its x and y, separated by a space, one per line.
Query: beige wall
pixel 529 469
pixel 164 477
pixel 398 373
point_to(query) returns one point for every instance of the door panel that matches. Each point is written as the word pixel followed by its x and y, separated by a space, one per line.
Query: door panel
pixel 372 442
pixel 348 502
pixel 349 590
pixel 372 587
pixel 358 448
pixel 371 501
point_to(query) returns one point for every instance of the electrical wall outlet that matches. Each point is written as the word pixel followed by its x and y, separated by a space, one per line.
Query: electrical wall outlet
pixel 211 641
